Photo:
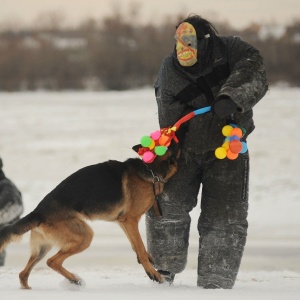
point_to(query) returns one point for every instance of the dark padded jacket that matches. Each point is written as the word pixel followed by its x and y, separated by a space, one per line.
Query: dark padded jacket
pixel 11 204
pixel 235 69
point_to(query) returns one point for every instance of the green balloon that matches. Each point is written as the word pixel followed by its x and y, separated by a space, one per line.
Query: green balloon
pixel 160 150
pixel 146 141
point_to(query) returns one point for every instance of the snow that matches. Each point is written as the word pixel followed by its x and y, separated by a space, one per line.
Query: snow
pixel 45 136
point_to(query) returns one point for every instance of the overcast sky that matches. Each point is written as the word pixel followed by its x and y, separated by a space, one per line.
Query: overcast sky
pixel 239 13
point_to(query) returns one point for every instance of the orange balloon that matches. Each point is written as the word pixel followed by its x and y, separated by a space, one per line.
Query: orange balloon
pixel 163 140
pixel 237 131
pixel 231 155
pixel 235 146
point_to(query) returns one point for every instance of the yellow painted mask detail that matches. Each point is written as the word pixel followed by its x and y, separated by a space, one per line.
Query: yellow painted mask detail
pixel 186 44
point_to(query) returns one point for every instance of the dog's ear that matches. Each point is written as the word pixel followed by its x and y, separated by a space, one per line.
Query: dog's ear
pixel 136 148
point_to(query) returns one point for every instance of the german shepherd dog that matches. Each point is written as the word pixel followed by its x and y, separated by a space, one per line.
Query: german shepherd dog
pixel 112 191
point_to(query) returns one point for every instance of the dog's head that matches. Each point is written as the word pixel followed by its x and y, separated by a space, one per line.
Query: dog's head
pixel 165 165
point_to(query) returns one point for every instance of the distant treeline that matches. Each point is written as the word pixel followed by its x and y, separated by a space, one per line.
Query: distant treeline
pixel 116 54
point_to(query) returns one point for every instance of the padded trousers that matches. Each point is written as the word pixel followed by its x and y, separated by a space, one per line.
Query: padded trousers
pixel 2 258
pixel 222 224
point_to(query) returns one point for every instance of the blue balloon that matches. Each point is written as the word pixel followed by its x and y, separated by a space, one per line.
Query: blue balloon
pixel 245 147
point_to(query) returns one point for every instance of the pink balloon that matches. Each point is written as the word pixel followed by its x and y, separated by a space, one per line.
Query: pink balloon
pixel 148 157
pixel 155 135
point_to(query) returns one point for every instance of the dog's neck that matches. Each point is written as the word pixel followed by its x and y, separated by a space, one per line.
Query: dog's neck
pixel 143 170
pixel 155 177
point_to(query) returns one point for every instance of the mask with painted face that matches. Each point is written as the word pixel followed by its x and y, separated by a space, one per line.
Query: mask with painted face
pixel 186 44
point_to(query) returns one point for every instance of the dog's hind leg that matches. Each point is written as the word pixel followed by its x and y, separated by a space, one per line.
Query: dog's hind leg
pixel 130 226
pixel 74 236
pixel 39 248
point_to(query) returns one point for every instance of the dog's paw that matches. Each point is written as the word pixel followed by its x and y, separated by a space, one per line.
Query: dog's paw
pixel 24 281
pixel 76 282
pixel 25 287
pixel 73 284
pixel 155 276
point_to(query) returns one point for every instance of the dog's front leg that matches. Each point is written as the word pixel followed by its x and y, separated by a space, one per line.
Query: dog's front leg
pixel 130 226
pixel 132 246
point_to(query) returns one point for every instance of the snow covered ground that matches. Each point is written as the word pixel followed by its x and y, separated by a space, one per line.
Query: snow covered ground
pixel 45 136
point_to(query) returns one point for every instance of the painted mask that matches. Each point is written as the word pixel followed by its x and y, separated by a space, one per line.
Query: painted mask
pixel 186 44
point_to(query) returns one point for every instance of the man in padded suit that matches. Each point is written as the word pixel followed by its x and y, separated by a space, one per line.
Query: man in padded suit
pixel 228 74
pixel 11 204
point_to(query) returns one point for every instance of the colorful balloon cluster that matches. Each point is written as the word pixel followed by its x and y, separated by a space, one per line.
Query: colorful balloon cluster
pixel 232 145
pixel 156 144
pixel 158 141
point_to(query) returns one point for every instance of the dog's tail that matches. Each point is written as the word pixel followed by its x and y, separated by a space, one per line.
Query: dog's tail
pixel 14 232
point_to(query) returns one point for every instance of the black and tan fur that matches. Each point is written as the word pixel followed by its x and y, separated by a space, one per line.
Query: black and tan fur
pixel 112 191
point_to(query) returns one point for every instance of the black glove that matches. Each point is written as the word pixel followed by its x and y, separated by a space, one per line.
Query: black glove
pixel 224 106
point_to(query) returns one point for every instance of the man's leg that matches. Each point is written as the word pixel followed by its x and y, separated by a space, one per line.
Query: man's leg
pixel 168 236
pixel 223 222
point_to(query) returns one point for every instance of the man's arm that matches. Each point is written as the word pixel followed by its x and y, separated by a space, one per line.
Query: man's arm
pixel 247 83
pixel 169 109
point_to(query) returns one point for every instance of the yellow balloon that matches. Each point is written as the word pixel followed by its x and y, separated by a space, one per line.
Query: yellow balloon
pixel 152 145
pixel 226 145
pixel 220 153
pixel 226 131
